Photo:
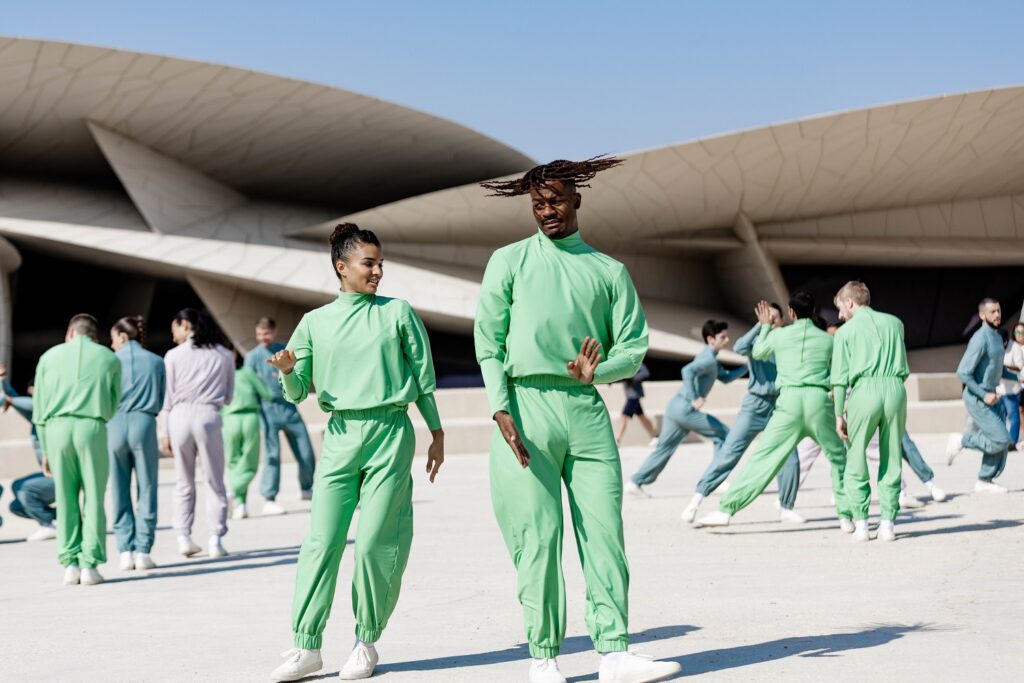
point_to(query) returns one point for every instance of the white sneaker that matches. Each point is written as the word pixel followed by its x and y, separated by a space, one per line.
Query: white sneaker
pixel 270 508
pixel 886 531
pixel 127 561
pixel 72 576
pixel 307 494
pixel 953 447
pixel 299 664
pixel 635 490
pixel 846 525
pixel 777 504
pixel 988 487
pixel 545 671
pixel 45 532
pixel 790 517
pixel 216 548
pixel 653 442
pixel 144 562
pixel 186 547
pixel 716 518
pixel 239 512
pixel 629 667
pixel 689 513
pixel 360 663
pixel 724 487
pixel 860 531
pixel 91 577
pixel 908 502
pixel 938 495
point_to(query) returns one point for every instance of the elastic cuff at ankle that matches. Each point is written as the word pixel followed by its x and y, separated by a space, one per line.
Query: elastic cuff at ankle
pixel 368 635
pixel 614 645
pixel 542 652
pixel 307 641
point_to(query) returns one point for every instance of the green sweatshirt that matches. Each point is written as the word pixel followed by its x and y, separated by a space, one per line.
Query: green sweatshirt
pixel 539 299
pixel 363 351
pixel 870 344
pixel 802 354
pixel 249 391
pixel 78 378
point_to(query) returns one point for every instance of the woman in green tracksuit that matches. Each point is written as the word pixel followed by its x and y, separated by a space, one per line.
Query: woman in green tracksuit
pixel 242 433
pixel 368 357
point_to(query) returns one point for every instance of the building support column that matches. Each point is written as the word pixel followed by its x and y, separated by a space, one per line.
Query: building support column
pixel 10 261
pixel 749 274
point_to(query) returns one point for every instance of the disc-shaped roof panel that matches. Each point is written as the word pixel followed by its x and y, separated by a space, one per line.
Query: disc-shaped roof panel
pixel 263 135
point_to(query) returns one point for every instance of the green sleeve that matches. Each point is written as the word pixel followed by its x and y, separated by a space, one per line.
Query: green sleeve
pixel 296 383
pixel 40 407
pixel 113 388
pixel 904 365
pixel 764 347
pixel 490 330
pixel 257 384
pixel 840 372
pixel 629 334
pixel 416 347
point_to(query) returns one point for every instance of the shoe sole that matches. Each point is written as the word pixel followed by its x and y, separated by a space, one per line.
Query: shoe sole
pixel 355 677
pixel 296 677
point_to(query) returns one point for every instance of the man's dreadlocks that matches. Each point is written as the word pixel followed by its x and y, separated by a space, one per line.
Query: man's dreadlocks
pixel 575 173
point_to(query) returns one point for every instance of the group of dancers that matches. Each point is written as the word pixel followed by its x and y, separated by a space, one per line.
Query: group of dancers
pixel 555 317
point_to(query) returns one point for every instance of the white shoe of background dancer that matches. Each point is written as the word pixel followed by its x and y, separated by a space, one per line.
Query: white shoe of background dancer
pixel 216 548
pixel 630 667
pixel 299 664
pixel 272 509
pixel 307 494
pixel 91 577
pixel 988 487
pixel 860 531
pixel 127 561
pixel 361 662
pixel 954 445
pixel 886 531
pixel 144 562
pixel 846 525
pixel 545 671
pixel 72 576
pixel 908 502
pixel 186 547
pixel 635 490
pixel 790 517
pixel 45 532
pixel 938 495
pixel 724 487
pixel 716 518
pixel 654 442
pixel 240 512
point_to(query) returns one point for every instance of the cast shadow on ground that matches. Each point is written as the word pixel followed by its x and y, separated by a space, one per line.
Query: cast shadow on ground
pixel 521 652
pixel 269 557
pixel 831 645
pixel 963 528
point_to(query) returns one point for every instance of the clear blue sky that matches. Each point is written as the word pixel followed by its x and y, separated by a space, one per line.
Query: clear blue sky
pixel 575 78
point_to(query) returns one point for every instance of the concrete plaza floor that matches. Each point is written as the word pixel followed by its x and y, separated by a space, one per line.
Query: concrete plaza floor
pixel 758 601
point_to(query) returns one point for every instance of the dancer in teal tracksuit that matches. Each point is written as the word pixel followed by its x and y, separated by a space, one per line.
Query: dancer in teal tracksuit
pixel 757 408
pixel 980 371
pixel 132 443
pixel 683 414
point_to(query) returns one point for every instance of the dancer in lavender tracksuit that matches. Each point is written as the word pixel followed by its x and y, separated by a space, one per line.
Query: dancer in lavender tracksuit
pixel 200 380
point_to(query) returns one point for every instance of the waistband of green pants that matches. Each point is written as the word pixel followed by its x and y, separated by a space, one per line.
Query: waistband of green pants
pixel 370 413
pixel 545 382
pixel 878 380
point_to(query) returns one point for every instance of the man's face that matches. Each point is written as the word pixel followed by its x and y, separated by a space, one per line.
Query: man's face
pixel 1018 334
pixel 991 314
pixel 265 336
pixel 554 209
pixel 719 341
pixel 845 307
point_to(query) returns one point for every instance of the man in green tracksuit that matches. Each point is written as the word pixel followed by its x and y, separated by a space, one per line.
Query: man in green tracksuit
pixel 242 433
pixel 870 359
pixel 803 354
pixel 980 370
pixel 77 390
pixel 556 316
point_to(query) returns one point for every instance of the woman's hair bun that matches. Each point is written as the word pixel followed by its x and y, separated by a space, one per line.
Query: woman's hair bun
pixel 342 232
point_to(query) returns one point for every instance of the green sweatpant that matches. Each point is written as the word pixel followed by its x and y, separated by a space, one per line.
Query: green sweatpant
pixel 876 403
pixel 366 461
pixel 799 412
pixel 77 451
pixel 241 450
pixel 566 428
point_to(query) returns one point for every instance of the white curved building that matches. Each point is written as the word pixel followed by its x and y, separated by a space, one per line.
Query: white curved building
pixel 138 183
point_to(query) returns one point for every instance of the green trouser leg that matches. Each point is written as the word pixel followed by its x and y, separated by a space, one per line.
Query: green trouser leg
pixel 77 450
pixel 242 451
pixel 799 412
pixel 876 403
pixel 569 436
pixel 367 460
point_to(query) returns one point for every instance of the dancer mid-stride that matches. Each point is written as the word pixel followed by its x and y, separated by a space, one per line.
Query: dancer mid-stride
pixel 368 357
pixel 549 305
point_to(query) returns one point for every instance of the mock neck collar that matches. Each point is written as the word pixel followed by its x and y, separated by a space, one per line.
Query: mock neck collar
pixel 568 243
pixel 353 298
